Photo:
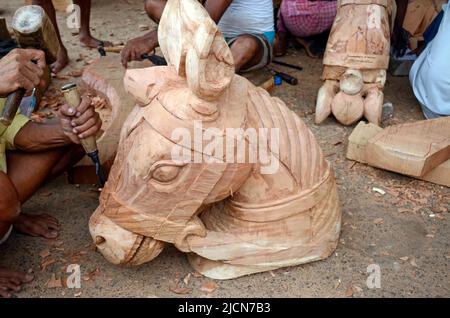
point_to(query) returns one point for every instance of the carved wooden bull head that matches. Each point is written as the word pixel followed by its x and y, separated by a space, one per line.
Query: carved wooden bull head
pixel 213 165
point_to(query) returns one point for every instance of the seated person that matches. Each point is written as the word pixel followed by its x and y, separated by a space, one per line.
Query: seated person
pixel 247 25
pixel 430 73
pixel 32 153
pixel 412 20
pixel 307 21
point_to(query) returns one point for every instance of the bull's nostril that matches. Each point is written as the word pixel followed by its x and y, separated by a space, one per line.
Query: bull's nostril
pixel 99 240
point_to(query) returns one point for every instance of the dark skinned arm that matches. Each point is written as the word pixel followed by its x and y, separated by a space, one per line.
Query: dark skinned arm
pixel 217 8
pixel 73 125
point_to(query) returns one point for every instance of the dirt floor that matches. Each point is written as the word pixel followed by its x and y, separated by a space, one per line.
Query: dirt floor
pixel 405 231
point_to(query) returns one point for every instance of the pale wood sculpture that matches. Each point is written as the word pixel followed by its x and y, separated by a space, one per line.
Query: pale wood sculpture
pixel 420 149
pixel 232 219
pixel 355 62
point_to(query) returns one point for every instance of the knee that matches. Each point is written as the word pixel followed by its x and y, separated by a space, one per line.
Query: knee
pixel 154 9
pixel 9 200
pixel 245 45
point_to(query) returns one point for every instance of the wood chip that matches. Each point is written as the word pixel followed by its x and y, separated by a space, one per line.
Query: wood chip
pixel 378 221
pixel 209 287
pixel 47 263
pixel 45 253
pixel 187 279
pixel 180 290
pixel 54 282
pixel 378 190
pixel 349 291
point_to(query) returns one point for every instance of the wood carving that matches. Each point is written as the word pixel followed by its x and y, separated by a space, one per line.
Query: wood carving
pixel 420 149
pixel 233 217
pixel 355 62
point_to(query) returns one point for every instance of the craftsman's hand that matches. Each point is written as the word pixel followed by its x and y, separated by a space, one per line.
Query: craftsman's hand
pixel 17 70
pixel 80 123
pixel 135 48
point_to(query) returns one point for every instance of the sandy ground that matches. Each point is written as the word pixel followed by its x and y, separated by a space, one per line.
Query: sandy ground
pixel 406 231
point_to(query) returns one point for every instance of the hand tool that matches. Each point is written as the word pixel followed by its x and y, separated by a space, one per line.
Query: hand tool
pixel 33 29
pixel 89 144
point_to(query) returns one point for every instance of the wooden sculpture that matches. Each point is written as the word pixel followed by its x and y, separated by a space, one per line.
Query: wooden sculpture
pixel 231 217
pixel 355 62
pixel 419 149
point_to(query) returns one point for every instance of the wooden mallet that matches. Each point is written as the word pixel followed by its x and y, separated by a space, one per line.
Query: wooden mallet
pixel 33 29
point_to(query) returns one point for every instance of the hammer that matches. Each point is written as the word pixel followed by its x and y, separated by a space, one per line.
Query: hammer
pixel 33 29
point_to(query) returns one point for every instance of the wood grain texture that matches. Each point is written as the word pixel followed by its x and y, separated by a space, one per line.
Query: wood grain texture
pixel 419 149
pixel 230 216
pixel 359 41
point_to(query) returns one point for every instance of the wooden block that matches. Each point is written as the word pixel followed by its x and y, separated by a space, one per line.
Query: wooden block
pixel 358 141
pixel 439 175
pixel 413 149
pixel 405 154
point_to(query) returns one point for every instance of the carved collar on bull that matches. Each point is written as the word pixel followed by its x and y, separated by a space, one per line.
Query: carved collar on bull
pixel 230 217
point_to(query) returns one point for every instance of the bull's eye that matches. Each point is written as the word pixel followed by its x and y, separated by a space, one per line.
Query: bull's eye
pixel 165 172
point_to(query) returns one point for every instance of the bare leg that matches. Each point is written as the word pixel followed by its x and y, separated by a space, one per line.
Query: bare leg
pixel 86 39
pixel 63 57
pixel 10 281
pixel 155 8
pixel 247 52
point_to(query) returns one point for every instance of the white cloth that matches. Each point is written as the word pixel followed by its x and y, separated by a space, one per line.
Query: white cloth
pixel 6 237
pixel 247 17
pixel 430 74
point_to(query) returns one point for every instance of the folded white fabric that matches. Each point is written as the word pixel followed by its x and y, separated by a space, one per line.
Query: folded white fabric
pixel 5 238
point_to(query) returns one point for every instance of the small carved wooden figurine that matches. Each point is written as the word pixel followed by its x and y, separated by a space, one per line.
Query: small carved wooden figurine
pixel 355 62
pixel 213 165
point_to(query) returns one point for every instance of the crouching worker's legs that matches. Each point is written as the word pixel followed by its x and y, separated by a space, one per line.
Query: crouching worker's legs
pixel 250 52
pixel 10 281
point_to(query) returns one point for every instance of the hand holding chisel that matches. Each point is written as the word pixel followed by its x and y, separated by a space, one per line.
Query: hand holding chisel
pixel 89 144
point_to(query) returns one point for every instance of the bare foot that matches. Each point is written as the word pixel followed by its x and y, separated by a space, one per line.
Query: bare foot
pixel 91 42
pixel 63 60
pixel 38 225
pixel 280 44
pixel 11 281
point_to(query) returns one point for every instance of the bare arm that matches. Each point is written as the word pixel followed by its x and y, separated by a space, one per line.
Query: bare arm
pixel 73 125
pixel 216 8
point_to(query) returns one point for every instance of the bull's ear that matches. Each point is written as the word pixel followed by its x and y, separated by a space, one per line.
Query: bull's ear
pixel 192 42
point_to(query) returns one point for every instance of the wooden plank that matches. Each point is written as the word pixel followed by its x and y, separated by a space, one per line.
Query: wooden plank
pixel 409 154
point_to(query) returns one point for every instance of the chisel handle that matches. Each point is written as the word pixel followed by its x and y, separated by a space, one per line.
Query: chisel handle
pixel 12 104
pixel 288 78
pixel 73 99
